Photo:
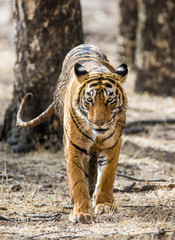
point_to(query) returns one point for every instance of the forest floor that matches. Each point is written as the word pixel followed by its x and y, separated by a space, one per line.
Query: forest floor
pixel 34 195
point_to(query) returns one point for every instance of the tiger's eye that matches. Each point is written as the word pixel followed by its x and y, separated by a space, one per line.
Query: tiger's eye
pixel 110 99
pixel 89 99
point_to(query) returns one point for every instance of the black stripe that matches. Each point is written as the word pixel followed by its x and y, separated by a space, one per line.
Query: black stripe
pixel 113 145
pixel 79 95
pixel 110 80
pixel 117 108
pixel 107 85
pixel 117 111
pixel 78 126
pixel 80 167
pixel 94 84
pixel 76 146
pixel 103 162
pixel 110 135
pixel 119 98
pixel 83 112
pixel 101 130
pixel 81 108
pixel 101 79
pixel 92 80
pixel 79 181
pixel 79 103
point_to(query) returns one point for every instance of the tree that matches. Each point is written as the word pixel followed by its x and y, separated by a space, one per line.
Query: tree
pixel 155 44
pixel 126 40
pixel 45 31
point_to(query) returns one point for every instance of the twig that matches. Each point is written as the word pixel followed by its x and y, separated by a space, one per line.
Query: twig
pixel 151 211
pixel 6 219
pixel 48 233
pixel 137 206
pixel 67 206
pixel 146 187
pixel 10 233
pixel 150 122
pixel 159 233
pixel 146 206
pixel 3 208
pixel 126 189
pixel 34 218
pixel 42 216
pixel 163 184
pixel 133 130
pixel 42 205
pixel 5 176
pixel 130 129
pixel 140 180
pixel 72 236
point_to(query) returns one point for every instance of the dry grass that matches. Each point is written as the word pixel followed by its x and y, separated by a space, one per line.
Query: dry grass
pixel 34 191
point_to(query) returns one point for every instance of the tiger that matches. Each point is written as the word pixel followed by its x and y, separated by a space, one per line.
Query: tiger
pixel 91 104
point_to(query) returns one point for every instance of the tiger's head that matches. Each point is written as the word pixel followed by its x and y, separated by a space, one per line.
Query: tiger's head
pixel 101 99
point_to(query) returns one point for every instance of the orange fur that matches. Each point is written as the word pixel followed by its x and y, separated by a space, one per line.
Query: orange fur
pixel 91 104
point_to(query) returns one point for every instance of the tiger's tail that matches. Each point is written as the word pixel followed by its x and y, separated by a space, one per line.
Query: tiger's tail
pixel 36 121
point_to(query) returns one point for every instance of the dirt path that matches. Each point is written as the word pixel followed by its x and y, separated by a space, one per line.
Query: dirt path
pixel 34 199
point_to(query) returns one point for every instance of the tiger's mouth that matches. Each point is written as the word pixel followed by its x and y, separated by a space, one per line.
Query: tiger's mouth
pixel 100 130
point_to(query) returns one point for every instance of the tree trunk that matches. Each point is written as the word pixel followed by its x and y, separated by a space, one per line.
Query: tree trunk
pixel 45 31
pixel 156 47
pixel 126 40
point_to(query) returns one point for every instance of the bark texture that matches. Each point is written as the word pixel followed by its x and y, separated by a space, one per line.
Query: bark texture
pixel 147 41
pixel 126 40
pixel 156 47
pixel 45 31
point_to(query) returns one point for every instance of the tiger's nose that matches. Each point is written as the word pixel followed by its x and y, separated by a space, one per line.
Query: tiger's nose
pixel 99 123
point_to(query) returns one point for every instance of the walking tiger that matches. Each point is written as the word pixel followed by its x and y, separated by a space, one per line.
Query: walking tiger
pixel 91 104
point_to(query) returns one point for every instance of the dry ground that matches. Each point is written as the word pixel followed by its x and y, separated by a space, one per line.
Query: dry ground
pixel 34 199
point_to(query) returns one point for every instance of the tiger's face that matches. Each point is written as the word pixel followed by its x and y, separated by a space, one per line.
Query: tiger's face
pixel 101 98
pixel 101 101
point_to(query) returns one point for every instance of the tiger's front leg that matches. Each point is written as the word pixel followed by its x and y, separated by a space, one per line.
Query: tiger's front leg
pixel 79 193
pixel 104 199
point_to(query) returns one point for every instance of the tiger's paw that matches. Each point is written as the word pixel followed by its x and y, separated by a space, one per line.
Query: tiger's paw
pixel 104 208
pixel 81 218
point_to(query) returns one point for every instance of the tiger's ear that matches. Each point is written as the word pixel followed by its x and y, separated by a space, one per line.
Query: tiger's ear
pixel 121 72
pixel 80 72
